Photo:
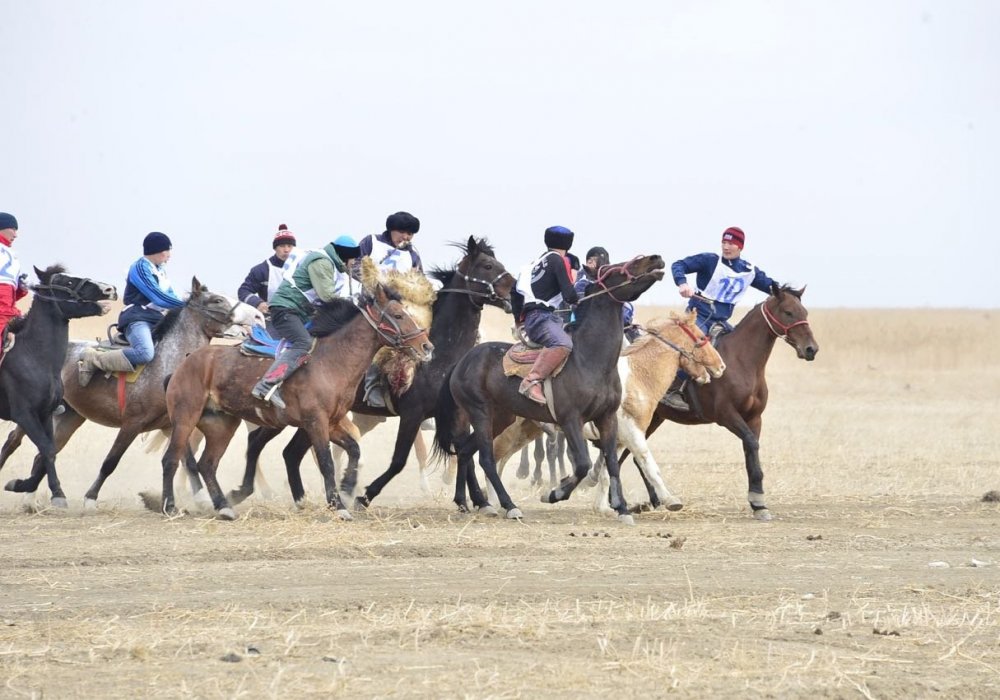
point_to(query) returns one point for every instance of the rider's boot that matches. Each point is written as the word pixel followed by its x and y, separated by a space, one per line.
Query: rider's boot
pixel 548 360
pixel 674 398
pixel 280 370
pixel 92 360
pixel 373 388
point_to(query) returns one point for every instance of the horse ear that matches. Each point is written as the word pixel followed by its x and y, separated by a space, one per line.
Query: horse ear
pixel 775 289
pixel 472 245
pixel 197 287
pixel 801 291
pixel 38 273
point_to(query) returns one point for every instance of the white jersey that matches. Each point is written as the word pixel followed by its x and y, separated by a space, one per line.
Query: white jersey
pixel 275 276
pixel 727 285
pixel 10 266
pixel 389 258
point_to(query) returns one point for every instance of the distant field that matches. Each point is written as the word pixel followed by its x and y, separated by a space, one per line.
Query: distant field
pixel 879 577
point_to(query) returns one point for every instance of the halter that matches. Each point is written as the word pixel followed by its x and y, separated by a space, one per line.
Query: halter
pixel 388 329
pixel 605 270
pixel 491 295
pixel 773 321
pixel 698 342
pixel 73 292
pixel 214 315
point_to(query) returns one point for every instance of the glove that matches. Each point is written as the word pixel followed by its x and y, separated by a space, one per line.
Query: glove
pixel 22 281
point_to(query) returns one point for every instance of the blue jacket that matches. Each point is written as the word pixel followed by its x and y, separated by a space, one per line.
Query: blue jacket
pixel 704 264
pixel 148 294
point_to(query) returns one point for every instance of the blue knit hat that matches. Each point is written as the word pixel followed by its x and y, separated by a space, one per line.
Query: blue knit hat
pixel 155 242
pixel 347 248
pixel 7 221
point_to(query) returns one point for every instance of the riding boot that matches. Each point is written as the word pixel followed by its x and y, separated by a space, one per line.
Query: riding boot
pixel 548 360
pixel 373 388
pixel 110 361
pixel 674 398
pixel 280 370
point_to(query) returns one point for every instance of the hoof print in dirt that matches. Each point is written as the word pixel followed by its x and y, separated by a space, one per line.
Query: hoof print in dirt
pixel 813 538
pixel 232 658
pixel 833 615
pixel 678 542
pixel 991 497
pixel 885 633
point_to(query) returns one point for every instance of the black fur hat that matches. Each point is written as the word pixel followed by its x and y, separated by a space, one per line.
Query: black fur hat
pixel 402 221
pixel 558 237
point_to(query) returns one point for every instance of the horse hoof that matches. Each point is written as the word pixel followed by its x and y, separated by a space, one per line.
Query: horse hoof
pixel 300 504
pixel 626 519
pixel 227 514
pixel 487 510
pixel 344 514
pixel 90 504
pixel 674 506
pixel 763 515
pixel 11 486
pixel 235 497
pixel 515 514
pixel 361 503
pixel 59 502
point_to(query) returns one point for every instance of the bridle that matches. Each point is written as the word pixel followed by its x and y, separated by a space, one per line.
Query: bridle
pixel 73 291
pixel 490 295
pixel 388 328
pixel 625 268
pixel 217 316
pixel 687 354
pixel 773 321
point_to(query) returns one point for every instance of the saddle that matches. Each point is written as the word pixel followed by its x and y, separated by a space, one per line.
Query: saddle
pixel 517 361
pixel 116 340
pixel 260 344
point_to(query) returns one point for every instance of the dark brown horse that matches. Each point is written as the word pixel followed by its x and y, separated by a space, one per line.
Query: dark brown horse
pixel 478 279
pixel 210 390
pixel 737 400
pixel 139 406
pixel 30 385
pixel 479 395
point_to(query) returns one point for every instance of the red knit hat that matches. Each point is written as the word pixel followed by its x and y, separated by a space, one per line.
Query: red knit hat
pixel 283 237
pixel 734 234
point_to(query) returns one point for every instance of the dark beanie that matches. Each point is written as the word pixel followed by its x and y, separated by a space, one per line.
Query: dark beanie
pixel 558 237
pixel 155 242
pixel 7 221
pixel 600 253
pixel 283 237
pixel 402 221
pixel 347 248
pixel 734 234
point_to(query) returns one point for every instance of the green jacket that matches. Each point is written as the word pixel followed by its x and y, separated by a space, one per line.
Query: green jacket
pixel 320 276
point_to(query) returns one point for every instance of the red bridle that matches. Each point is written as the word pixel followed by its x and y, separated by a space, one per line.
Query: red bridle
pixel 698 342
pixel 773 321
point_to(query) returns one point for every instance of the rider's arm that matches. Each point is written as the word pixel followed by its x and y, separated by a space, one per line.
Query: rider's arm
pixel 569 294
pixel 247 292
pixel 762 282
pixel 141 275
pixel 323 276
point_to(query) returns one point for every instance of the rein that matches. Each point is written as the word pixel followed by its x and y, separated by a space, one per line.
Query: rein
pixel 773 321
pixel 698 342
pixel 388 329
pixel 212 314
pixel 491 295
pixel 602 273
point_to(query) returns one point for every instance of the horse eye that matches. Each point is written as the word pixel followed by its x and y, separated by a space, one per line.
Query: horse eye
pixel 489 267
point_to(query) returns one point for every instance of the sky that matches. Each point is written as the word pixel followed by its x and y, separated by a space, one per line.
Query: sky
pixel 856 142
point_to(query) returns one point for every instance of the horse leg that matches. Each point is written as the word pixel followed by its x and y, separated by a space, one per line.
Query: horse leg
pixel 538 453
pixel 319 436
pixel 218 429
pixel 409 426
pixel 483 437
pixel 256 441
pixel 632 437
pixel 293 454
pixel 350 481
pixel 123 439
pixel 749 433
pixel 561 452
pixel 524 466
pixel 14 438
pixel 607 426
pixel 551 447
pixel 577 448
pixel 39 431
pixel 64 426
pixel 420 448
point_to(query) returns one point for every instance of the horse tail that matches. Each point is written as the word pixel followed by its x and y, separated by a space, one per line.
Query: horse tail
pixel 445 414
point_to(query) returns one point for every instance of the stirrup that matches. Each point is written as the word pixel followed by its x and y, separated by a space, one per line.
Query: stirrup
pixel 675 401
pixel 525 390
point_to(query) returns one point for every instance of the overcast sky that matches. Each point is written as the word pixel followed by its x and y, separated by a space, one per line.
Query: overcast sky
pixel 856 142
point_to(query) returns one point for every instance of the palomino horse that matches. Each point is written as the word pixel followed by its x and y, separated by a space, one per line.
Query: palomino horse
pixel 139 406
pixel 210 390
pixel 478 279
pixel 738 399
pixel 645 370
pixel 30 385
pixel 479 395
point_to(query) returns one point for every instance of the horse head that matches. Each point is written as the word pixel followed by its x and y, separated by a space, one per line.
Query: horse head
pixel 396 328
pixel 218 313
pixel 703 362
pixel 787 319
pixel 77 297
pixel 485 277
pixel 628 280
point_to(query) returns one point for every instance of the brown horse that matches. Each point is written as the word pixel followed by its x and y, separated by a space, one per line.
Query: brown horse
pixel 738 399
pixel 138 406
pixel 210 390
pixel 479 395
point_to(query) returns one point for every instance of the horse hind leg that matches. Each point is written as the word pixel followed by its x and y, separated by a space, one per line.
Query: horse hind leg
pixel 256 441
pixel 123 439
pixel 10 445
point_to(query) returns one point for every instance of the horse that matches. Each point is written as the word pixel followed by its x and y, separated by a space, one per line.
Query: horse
pixel 210 390
pixel 646 369
pixel 138 406
pixel 30 385
pixel 549 445
pixel 477 280
pixel 479 395
pixel 737 401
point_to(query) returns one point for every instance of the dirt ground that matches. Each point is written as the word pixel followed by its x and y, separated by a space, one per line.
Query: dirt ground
pixel 879 576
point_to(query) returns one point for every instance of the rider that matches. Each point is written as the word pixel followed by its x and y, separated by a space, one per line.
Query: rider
pixel 390 250
pixel 721 282
pixel 322 276
pixel 543 285
pixel 596 258
pixel 148 296
pixel 13 285
pixel 264 278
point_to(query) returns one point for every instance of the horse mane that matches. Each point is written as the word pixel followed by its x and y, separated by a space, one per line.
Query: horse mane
pixel 445 275
pixel 166 324
pixel 332 316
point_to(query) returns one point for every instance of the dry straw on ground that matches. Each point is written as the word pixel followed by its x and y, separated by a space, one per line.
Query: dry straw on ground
pixel 880 576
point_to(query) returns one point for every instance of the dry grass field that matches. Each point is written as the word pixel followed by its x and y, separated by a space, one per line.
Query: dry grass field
pixel 879 576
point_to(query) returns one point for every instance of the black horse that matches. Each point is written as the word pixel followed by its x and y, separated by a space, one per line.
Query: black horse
pixel 30 374
pixel 479 395
pixel 478 279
